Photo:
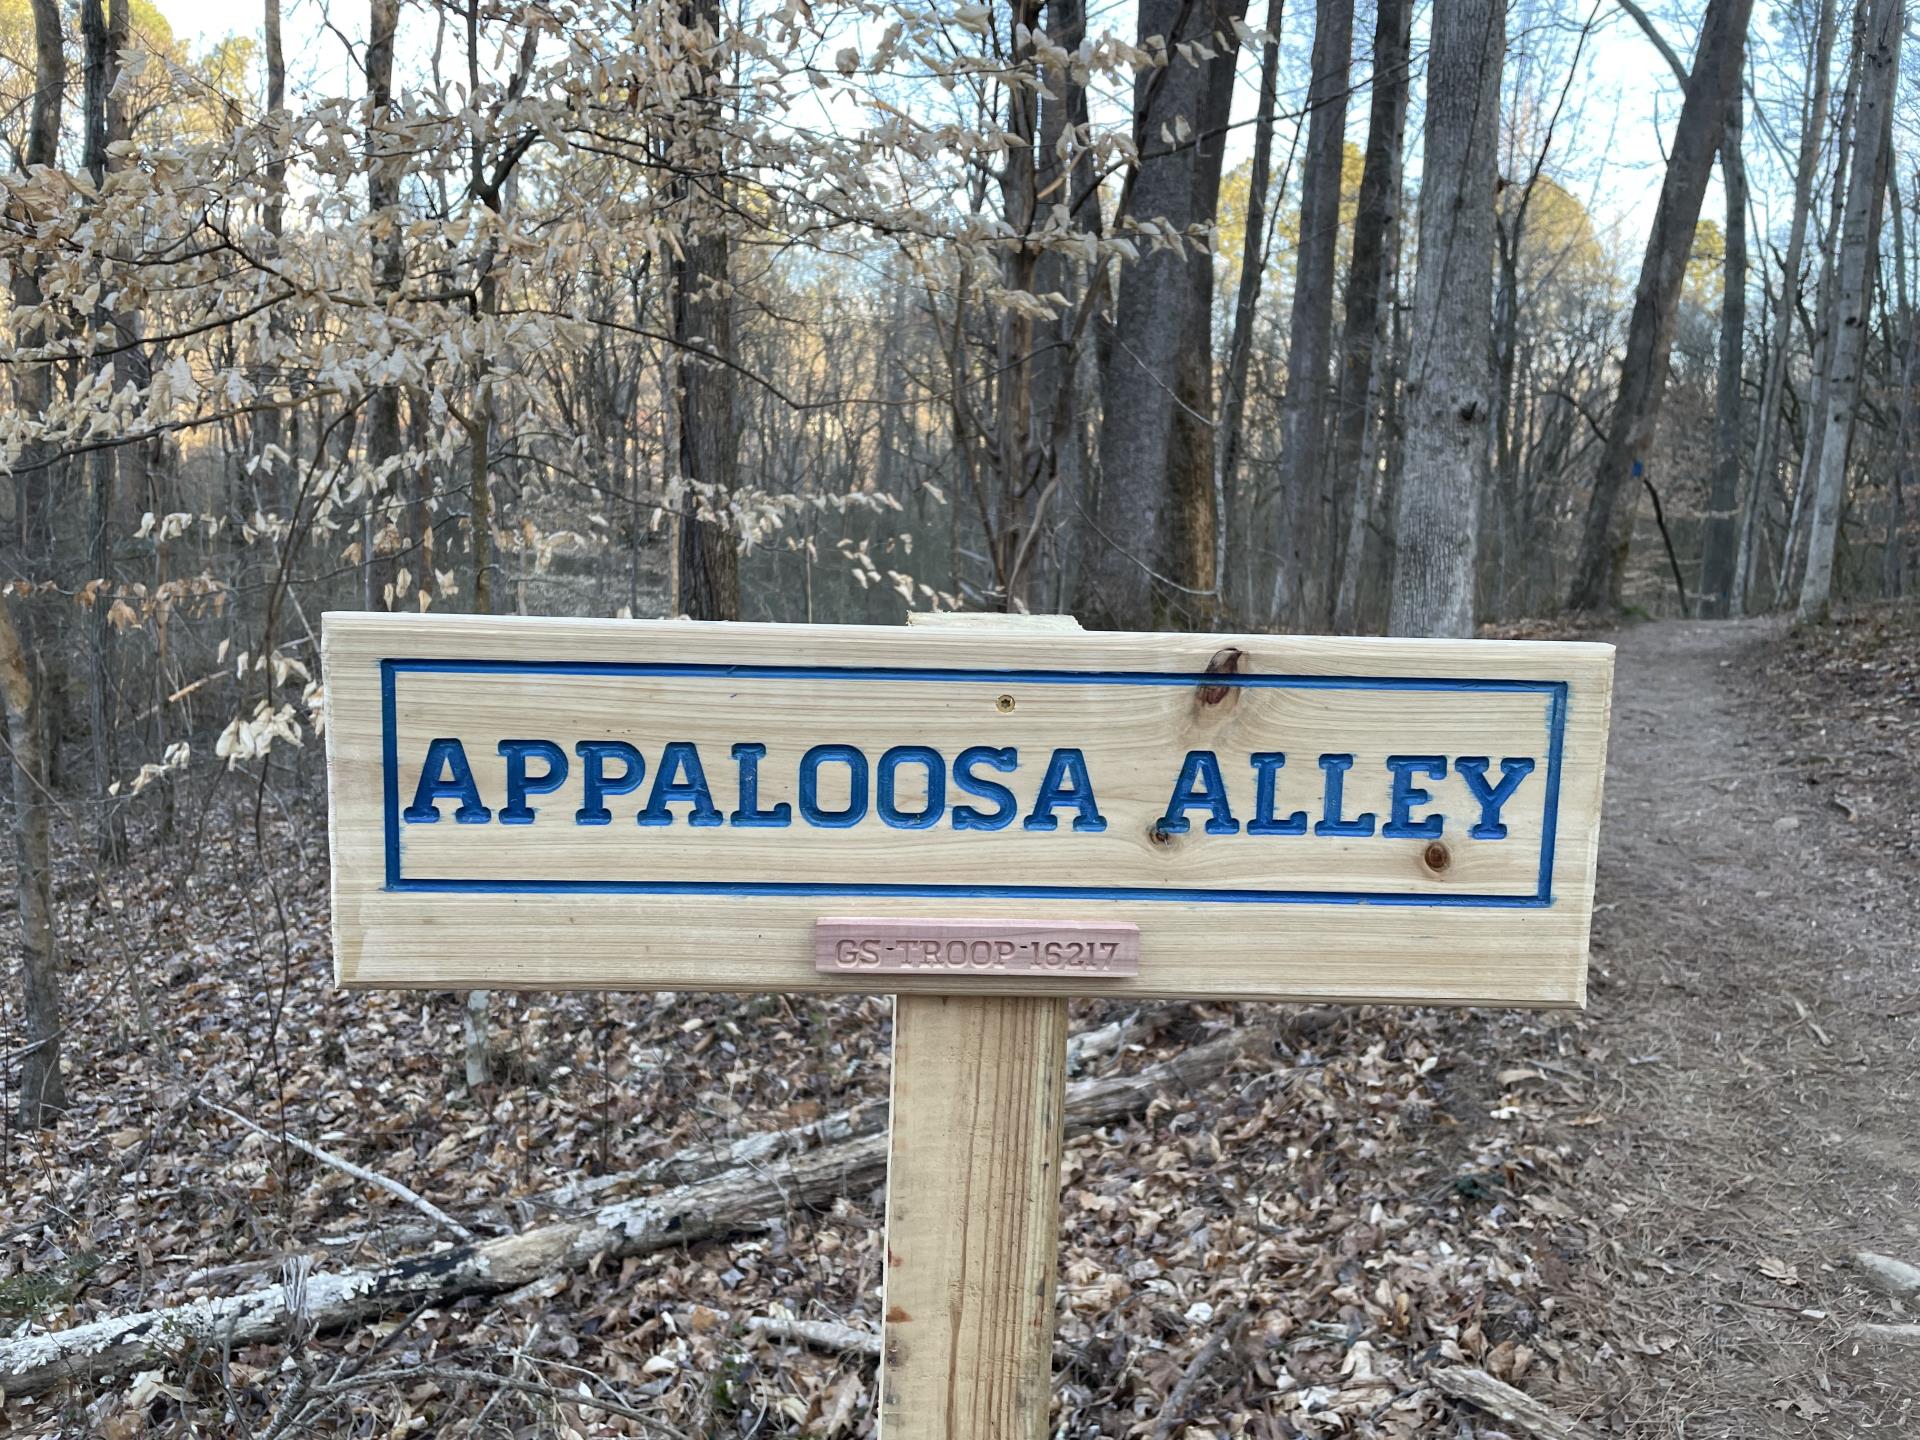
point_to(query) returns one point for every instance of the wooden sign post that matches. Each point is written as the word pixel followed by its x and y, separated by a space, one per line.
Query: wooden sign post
pixel 985 816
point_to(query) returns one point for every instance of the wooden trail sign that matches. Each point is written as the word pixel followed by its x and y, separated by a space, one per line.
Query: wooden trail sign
pixel 985 815
pixel 550 804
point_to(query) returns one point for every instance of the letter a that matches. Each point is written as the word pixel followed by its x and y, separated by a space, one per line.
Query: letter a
pixel 1200 787
pixel 457 784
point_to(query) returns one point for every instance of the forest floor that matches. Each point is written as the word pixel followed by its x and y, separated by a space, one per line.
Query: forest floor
pixel 1644 1215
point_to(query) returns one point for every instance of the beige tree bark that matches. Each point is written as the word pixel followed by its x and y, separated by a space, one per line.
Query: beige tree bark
pixel 1853 294
pixel 1793 548
pixel 1608 531
pixel 1447 453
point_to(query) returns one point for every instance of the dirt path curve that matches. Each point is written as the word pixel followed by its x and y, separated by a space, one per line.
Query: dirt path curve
pixel 1755 1014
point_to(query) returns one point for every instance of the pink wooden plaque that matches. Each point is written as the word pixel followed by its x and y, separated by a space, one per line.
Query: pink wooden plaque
pixel 1061 948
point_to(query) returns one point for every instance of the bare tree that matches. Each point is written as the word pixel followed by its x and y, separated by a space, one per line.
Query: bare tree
pixel 1376 250
pixel 1812 139
pixel 709 567
pixel 1723 497
pixel 1608 532
pixel 1253 264
pixel 1449 384
pixel 1299 486
pixel 1117 587
pixel 385 165
pixel 1189 548
pixel 43 1093
pixel 42 1090
pixel 1853 294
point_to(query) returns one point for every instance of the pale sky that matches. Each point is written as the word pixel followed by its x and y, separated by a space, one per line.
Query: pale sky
pixel 1609 148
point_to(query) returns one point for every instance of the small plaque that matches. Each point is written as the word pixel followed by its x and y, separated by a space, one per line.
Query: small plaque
pixel 1062 949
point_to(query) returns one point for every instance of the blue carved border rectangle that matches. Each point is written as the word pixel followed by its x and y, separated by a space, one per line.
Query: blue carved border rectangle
pixel 1554 691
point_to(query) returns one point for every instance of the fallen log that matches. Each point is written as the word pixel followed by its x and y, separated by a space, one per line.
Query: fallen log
pixel 1089 1103
pixel 1887 1334
pixel 698 1162
pixel 1506 1404
pixel 1888 1275
pixel 703 1209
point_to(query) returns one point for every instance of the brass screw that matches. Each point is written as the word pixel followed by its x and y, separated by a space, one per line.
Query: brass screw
pixel 1004 704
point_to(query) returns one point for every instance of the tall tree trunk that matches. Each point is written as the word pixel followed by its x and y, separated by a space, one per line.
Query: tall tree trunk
pixel 1812 138
pixel 1793 549
pixel 105 122
pixel 1376 244
pixel 1853 295
pixel 1723 497
pixel 1907 430
pixel 1608 533
pixel 709 569
pixel 1300 485
pixel 1253 262
pixel 1071 194
pixel 268 431
pixel 1115 588
pixel 385 165
pixel 43 1093
pixel 1449 387
pixel 42 1090
pixel 33 383
pixel 1015 465
pixel 1187 550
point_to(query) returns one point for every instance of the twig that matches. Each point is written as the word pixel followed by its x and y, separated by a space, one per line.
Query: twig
pixel 1506 1404
pixel 503 1382
pixel 1173 1414
pixel 347 1167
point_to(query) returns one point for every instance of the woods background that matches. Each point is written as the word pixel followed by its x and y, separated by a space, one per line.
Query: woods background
pixel 1331 317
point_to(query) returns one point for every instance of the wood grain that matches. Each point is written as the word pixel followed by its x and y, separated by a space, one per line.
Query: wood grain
pixel 973 1217
pixel 1242 916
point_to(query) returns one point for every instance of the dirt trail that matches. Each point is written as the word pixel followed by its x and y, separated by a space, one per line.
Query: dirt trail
pixel 1755 1015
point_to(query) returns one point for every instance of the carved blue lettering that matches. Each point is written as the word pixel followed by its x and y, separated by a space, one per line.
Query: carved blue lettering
pixel 1400 822
pixel 1065 783
pixel 680 780
pixel 449 756
pixel 856 764
pixel 1333 801
pixel 596 784
pixel 520 784
pixel 747 756
pixel 884 786
pixel 1200 787
pixel 1267 765
pixel 965 817
pixel 1492 798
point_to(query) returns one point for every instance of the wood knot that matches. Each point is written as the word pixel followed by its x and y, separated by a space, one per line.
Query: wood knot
pixel 1224 662
pixel 1436 857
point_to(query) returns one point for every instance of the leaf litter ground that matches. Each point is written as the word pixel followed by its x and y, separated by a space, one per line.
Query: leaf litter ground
pixel 1642 1216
